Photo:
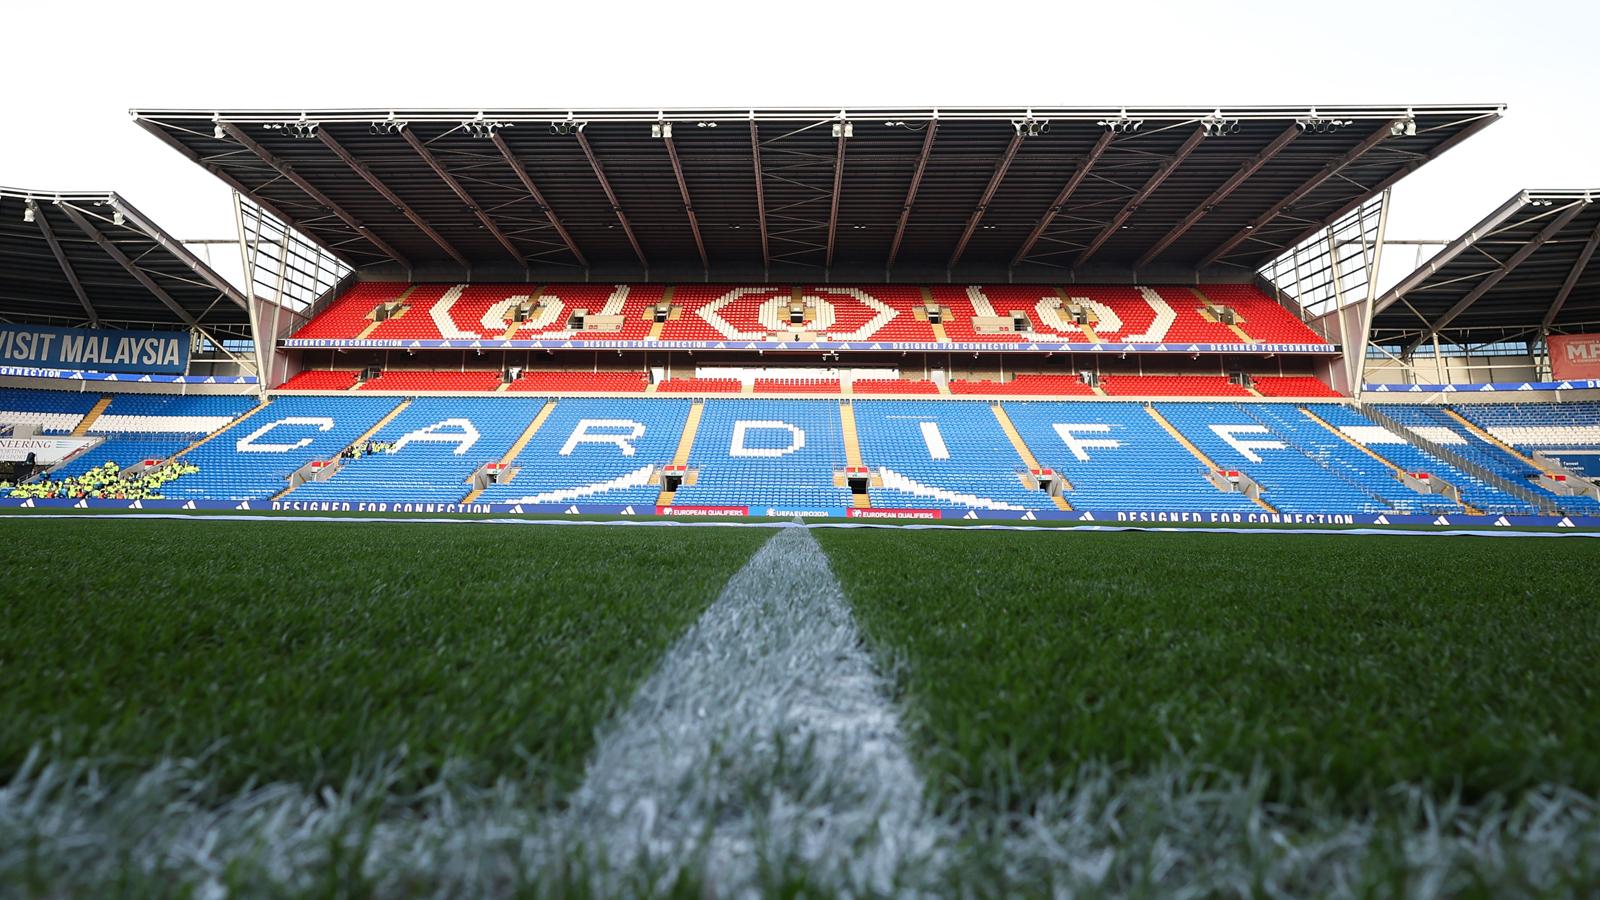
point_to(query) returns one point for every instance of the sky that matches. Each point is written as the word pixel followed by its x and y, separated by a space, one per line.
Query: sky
pixel 84 65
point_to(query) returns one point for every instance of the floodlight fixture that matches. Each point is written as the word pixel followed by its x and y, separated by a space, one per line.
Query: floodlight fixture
pixel 27 212
pixel 661 129
pixel 844 129
pixel 1030 127
pixel 1122 124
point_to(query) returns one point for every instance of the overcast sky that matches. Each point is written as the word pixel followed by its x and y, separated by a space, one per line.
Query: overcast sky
pixel 74 70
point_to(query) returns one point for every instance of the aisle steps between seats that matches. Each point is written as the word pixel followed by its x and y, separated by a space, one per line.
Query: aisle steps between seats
pixel 403 310
pixel 1496 442
pixel 852 449
pixel 366 436
pixel 522 442
pixel 1195 451
pixel 1022 448
pixel 685 444
pixel 90 416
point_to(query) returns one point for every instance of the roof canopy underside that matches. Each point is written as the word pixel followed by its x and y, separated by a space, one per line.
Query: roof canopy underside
pixel 89 259
pixel 1525 269
pixel 906 195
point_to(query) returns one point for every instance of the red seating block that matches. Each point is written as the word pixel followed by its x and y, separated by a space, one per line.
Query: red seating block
pixel 1171 386
pixel 320 380
pixel 1293 386
pixel 434 381
pixel 699 386
pixel 607 382
pixel 797 386
pixel 893 386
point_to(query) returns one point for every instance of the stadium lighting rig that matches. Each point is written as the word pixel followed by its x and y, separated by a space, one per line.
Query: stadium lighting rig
pixel 568 126
pixel 1216 125
pixel 1030 127
pixel 1320 125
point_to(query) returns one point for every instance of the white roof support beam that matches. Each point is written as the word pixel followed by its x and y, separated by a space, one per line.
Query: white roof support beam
pixel 1451 250
pixel 1000 167
pixel 1578 267
pixel 66 266
pixel 140 275
pixel 405 209
pixel 1332 168
pixel 911 192
pixel 1506 268
pixel 616 207
pixel 287 171
pixel 833 207
pixel 761 194
pixel 1167 167
pixel 176 248
pixel 1248 168
pixel 1079 173
pixel 688 205
pixel 538 197
pixel 461 194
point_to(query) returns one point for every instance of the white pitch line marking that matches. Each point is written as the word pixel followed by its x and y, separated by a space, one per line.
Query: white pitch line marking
pixel 765 740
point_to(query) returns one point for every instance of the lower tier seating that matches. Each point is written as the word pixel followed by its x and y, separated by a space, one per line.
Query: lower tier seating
pixel 891 386
pixel 1171 386
pixel 699 386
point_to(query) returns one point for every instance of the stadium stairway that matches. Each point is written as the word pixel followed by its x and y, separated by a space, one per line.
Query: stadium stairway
pixel 852 448
pixel 1492 440
pixel 1022 450
pixel 520 445
pixel 1243 336
pixel 265 402
pixel 680 456
pixel 404 308
pixel 1195 451
pixel 90 416
pixel 367 436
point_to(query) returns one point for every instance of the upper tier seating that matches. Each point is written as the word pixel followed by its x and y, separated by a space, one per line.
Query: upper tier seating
pixel 1026 385
pixel 593 450
pixel 1538 426
pixel 1414 459
pixel 1116 456
pixel 796 386
pixel 1293 386
pixel 560 382
pixel 699 386
pixel 194 414
pixel 941 455
pixel 767 453
pixel 1171 386
pixel 435 381
pixel 890 386
pixel 321 380
pixel 882 313
pixel 55 412
pixel 1290 481
pixel 436 445
pixel 253 459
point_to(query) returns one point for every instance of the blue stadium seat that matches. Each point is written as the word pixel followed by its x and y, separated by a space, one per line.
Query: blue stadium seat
pixel 767 453
pixel 593 450
pixel 56 412
pixel 954 455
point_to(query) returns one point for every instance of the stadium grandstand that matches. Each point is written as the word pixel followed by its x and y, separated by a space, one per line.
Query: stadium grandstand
pixel 980 313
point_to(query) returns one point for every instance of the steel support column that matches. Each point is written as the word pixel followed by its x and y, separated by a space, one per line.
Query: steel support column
pixel 461 194
pixel 761 196
pixel 66 266
pixel 1582 263
pixel 1166 168
pixel 1079 173
pixel 376 184
pixel 1506 268
pixel 833 208
pixel 287 171
pixel 688 205
pixel 911 194
pixel 176 248
pixel 538 197
pixel 1248 168
pixel 1000 167
pixel 616 207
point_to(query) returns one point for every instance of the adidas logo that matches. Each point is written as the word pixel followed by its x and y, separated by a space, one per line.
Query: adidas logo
pixel 971 514
pixel 244 505
pixel 572 510
pixel 1029 516
pixel 81 504
pixel 28 503
pixel 1502 521
pixel 628 511
pixel 1086 517
pixel 517 508
pixel 1381 520
pixel 1566 523
pixel 137 504
pixel 1441 521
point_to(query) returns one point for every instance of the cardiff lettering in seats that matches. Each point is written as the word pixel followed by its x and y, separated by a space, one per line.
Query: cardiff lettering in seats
pixel 1081 446
pixel 247 444
pixel 1247 448
pixel 935 441
pixel 797 438
pixel 623 442
pixel 463 439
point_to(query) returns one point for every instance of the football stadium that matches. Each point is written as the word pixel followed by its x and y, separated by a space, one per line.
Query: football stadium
pixel 958 502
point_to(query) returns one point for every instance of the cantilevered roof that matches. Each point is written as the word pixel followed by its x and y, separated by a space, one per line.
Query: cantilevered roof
pixel 1525 268
pixel 89 258
pixel 976 194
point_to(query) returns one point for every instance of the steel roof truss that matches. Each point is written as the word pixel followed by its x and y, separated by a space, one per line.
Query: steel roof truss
pixel 140 275
pixel 376 184
pixel 1506 268
pixel 538 197
pixel 833 210
pixel 688 205
pixel 616 207
pixel 1165 169
pixel 761 193
pixel 1582 263
pixel 1455 248
pixel 1000 167
pixel 461 193
pixel 1079 172
pixel 286 171
pixel 1248 168
pixel 911 192
pixel 66 266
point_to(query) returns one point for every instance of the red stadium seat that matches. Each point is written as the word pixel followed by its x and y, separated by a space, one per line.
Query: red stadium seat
pixel 699 386
pixel 597 382
pixel 1293 386
pixel 893 386
pixel 320 380
pixel 1171 386
pixel 434 381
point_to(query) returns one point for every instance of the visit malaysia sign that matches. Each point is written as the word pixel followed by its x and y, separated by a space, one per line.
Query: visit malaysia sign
pixel 41 346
